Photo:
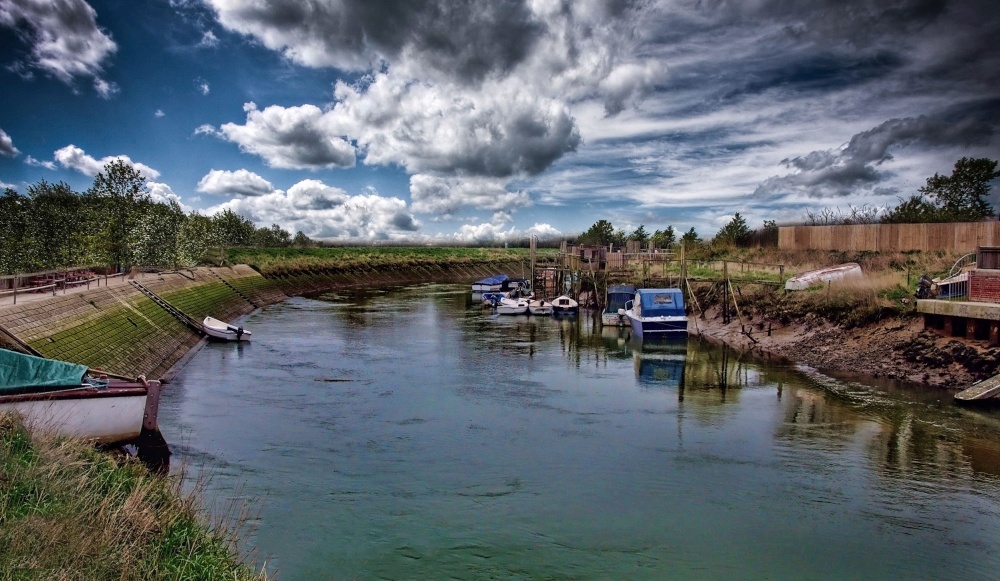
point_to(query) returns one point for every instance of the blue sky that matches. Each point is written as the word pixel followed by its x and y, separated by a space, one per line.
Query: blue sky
pixel 464 120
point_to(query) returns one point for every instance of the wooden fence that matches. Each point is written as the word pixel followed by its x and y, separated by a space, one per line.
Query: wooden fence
pixel 949 237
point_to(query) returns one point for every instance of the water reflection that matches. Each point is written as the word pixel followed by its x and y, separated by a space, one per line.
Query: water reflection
pixel 409 433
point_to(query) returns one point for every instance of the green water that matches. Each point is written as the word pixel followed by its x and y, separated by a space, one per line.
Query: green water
pixel 408 434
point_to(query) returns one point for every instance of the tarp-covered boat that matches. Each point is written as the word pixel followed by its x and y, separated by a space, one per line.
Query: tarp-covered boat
pixel 59 397
pixel 657 312
pixel 617 297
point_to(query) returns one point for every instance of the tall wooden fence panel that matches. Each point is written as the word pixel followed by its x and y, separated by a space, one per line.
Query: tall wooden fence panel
pixel 949 237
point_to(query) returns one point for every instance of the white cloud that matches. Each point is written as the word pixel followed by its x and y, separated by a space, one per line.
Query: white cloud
pixel 106 89
pixel 448 196
pixel 209 39
pixel 7 148
pixel 290 138
pixel 206 129
pixel 159 113
pixel 234 183
pixel 73 157
pixel 64 37
pixel 202 86
pixel 163 193
pixel 39 163
pixel 327 213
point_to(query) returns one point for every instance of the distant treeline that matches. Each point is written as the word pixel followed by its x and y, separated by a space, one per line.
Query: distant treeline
pixel 116 224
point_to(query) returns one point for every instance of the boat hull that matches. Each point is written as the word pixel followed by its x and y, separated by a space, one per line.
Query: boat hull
pixel 645 327
pixel 223 331
pixel 108 416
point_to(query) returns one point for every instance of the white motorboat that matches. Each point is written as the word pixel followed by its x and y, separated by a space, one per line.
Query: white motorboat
pixel 512 307
pixel 224 331
pixel 563 305
pixel 58 397
pixel 616 298
pixel 657 312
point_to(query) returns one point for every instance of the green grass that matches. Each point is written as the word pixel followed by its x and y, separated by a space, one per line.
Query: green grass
pixel 278 260
pixel 68 511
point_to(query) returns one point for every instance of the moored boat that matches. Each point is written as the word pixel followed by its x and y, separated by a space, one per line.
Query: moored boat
pixel 489 284
pixel 616 298
pixel 58 397
pixel 224 331
pixel 657 312
pixel 540 307
pixel 512 307
pixel 564 305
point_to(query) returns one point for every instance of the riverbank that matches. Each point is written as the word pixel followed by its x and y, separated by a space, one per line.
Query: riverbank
pixel 896 347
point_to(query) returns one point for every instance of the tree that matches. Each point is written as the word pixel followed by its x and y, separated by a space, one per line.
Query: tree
pixel 273 237
pixel 157 234
pixel 961 197
pixel 301 240
pixel 53 224
pixel 601 233
pixel 690 237
pixel 15 252
pixel 639 234
pixel 121 189
pixel 664 238
pixel 736 232
pixel 915 210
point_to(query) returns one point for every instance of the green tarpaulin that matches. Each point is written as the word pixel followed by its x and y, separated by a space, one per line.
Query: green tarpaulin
pixel 18 371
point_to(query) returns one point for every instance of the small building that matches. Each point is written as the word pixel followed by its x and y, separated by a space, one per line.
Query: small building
pixel 978 317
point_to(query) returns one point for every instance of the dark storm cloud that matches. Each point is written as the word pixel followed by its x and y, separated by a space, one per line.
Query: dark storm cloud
pixel 818 72
pixel 840 172
pixel 465 38
pixel 404 222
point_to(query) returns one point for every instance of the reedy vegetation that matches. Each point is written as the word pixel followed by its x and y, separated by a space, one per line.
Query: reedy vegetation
pixel 68 511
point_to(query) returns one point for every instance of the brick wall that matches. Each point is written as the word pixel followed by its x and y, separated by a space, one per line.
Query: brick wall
pixel 984 286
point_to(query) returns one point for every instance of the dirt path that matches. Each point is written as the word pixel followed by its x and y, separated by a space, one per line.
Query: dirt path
pixel 896 348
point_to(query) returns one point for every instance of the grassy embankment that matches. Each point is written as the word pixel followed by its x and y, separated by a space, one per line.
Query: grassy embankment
pixel 885 290
pixel 68 511
pixel 276 261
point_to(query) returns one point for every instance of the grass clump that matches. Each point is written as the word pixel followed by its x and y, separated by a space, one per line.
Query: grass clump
pixel 69 511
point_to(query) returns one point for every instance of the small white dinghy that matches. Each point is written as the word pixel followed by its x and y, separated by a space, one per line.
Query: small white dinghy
pixel 540 307
pixel 512 307
pixel 224 331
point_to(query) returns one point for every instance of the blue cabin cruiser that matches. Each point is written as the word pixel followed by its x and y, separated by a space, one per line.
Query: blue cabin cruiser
pixel 657 312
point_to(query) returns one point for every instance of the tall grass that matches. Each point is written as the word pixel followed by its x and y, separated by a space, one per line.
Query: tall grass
pixel 68 511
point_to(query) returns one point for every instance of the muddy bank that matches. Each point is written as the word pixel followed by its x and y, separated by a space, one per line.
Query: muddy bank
pixel 896 348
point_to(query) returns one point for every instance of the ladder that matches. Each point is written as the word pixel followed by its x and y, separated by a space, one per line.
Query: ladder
pixel 235 290
pixel 183 318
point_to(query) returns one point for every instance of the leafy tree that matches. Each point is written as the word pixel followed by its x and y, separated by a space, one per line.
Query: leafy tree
pixel 914 210
pixel 770 226
pixel 736 232
pixel 301 240
pixel 194 239
pixel 690 237
pixel 961 197
pixel 157 234
pixel 639 234
pixel 53 224
pixel 121 189
pixel 619 238
pixel 273 237
pixel 601 233
pixel 15 252
pixel 664 238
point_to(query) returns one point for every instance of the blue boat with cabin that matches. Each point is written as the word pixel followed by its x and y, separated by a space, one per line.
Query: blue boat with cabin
pixel 616 298
pixel 657 312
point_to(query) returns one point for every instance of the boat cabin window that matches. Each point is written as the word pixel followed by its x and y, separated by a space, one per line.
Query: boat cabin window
pixel 662 299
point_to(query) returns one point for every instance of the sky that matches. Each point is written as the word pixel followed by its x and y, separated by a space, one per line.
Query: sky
pixel 487 121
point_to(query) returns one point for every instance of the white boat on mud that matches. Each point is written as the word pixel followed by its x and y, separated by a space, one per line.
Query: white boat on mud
pixel 807 279
pixel 224 331
pixel 58 397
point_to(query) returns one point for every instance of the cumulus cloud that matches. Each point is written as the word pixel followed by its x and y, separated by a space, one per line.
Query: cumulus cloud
pixel 64 39
pixel 324 212
pixel 234 183
pixel 288 137
pixel 163 193
pixel 39 163
pixel 209 40
pixel 73 157
pixel 7 148
pixel 447 196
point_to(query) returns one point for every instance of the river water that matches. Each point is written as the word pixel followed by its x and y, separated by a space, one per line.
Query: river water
pixel 408 434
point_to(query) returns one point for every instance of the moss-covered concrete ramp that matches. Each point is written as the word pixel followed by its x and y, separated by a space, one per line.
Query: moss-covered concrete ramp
pixel 123 331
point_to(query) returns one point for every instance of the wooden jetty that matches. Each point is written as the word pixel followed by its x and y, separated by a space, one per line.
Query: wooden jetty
pixel 987 389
